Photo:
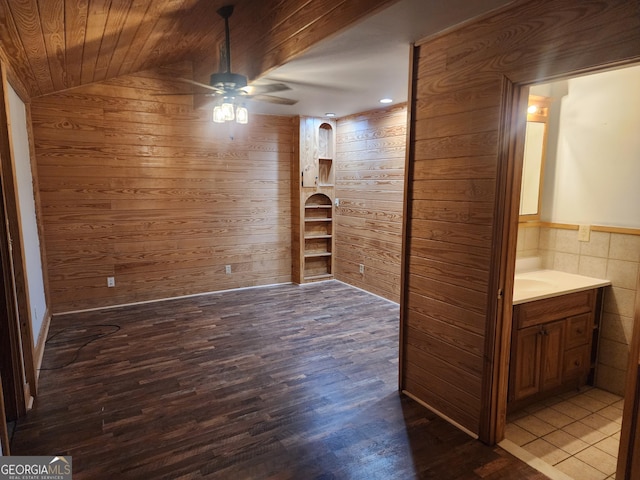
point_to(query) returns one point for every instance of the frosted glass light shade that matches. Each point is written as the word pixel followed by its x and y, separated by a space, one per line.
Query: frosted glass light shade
pixel 242 115
pixel 218 114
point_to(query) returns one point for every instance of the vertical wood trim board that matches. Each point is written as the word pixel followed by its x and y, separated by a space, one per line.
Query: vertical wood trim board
pixel 150 191
pixel 370 152
pixel 16 266
pixel 454 232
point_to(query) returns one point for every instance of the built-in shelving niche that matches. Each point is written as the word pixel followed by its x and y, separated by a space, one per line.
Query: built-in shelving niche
pixel 325 155
pixel 318 237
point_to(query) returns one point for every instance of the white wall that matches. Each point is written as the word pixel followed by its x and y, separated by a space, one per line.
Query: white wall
pixel 24 182
pixel 593 162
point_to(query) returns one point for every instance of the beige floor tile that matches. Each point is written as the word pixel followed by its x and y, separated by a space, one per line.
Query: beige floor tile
pixel 572 410
pixel 598 459
pixel 534 407
pixel 512 417
pixel 587 402
pixel 552 400
pixel 585 432
pixel 616 436
pixel 518 435
pixel 553 417
pixel 546 452
pixel 619 404
pixel 612 413
pixel 566 441
pixel 579 470
pixel 603 396
pixel 609 445
pixel 569 394
pixel 535 426
pixel 602 424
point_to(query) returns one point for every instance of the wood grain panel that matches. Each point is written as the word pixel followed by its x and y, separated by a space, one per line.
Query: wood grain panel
pixel 75 14
pixel 370 186
pixel 31 37
pixel 52 12
pixel 53 45
pixel 462 172
pixel 160 201
pixel 12 52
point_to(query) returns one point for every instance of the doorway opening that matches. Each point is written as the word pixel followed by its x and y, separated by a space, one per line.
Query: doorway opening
pixel 588 224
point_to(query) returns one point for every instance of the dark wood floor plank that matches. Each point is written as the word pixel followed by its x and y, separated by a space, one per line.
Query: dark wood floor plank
pixel 283 382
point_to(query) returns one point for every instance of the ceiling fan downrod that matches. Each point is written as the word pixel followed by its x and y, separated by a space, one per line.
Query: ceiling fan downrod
pixel 225 12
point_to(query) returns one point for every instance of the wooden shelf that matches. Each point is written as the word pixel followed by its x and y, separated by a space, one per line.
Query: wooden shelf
pixel 318 254
pixel 317 206
pixel 317 220
pixel 316 237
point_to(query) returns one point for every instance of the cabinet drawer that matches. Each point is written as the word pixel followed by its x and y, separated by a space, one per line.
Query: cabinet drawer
pixel 576 362
pixel 556 308
pixel 578 330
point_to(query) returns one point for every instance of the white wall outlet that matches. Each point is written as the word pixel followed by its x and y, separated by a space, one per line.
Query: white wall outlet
pixel 111 282
pixel 361 268
pixel 584 232
pixel 337 202
pixel 227 269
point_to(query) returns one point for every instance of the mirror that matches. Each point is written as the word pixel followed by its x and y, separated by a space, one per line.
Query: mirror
pixel 534 155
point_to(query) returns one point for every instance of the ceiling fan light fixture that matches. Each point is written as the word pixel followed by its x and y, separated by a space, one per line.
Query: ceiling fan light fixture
pixel 227 110
pixel 242 115
pixel 218 114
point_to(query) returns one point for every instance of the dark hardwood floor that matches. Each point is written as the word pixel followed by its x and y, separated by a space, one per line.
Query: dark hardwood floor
pixel 282 382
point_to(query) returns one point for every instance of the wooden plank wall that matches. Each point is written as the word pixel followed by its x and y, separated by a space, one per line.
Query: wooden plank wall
pixel 151 191
pixel 459 166
pixel 370 161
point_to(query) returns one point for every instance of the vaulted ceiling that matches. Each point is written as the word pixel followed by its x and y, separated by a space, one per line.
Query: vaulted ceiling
pixel 54 45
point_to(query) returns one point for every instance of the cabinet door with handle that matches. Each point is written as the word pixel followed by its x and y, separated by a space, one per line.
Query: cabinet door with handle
pixel 538 361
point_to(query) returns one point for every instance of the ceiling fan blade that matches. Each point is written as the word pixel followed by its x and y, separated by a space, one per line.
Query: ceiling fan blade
pixel 198 84
pixel 268 88
pixel 272 99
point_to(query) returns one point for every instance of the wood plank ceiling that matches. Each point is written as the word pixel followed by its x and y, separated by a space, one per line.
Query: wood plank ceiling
pixel 54 45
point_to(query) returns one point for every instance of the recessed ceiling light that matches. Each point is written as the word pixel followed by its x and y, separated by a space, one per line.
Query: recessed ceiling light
pixel 329 114
pixel 386 100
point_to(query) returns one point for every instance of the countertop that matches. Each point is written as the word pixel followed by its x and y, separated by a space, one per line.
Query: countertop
pixel 540 284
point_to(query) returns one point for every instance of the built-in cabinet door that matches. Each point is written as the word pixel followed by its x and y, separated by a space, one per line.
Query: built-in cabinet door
pixel 552 350
pixel 538 361
pixel 527 375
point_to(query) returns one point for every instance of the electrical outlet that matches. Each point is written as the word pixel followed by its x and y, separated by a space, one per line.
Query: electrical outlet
pixel 584 232
pixel 111 282
pixel 227 269
pixel 361 268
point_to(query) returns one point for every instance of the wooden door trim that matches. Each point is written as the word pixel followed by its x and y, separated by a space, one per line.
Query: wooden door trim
pixel 499 326
pixel 4 431
pixel 406 210
pixel 15 274
pixel 629 452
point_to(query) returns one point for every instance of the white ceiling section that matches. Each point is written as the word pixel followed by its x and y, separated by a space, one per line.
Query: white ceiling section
pixel 352 71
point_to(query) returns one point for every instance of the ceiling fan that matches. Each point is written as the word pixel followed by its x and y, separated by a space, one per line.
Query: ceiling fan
pixel 229 86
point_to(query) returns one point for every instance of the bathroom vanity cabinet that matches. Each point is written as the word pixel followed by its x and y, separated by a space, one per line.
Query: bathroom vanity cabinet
pixel 554 344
